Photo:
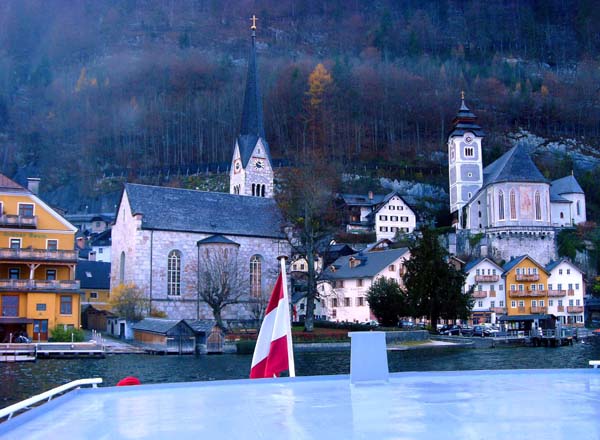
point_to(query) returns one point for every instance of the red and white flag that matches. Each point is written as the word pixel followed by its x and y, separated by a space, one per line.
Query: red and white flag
pixel 273 353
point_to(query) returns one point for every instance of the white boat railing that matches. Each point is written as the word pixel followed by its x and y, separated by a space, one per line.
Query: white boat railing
pixel 26 404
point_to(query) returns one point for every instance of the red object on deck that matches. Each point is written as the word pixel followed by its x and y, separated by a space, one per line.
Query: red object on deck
pixel 129 380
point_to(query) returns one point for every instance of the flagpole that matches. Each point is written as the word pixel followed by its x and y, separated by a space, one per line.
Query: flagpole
pixel 290 349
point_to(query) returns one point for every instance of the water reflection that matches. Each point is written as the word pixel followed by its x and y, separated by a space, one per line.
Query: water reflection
pixel 22 380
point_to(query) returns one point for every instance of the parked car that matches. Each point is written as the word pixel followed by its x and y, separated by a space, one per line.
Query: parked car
pixel 484 331
pixel 453 330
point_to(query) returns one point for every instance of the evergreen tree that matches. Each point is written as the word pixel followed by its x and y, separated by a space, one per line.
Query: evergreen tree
pixel 432 286
pixel 386 301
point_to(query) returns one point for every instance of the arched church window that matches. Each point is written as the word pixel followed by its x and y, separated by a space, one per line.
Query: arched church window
pixel 253 189
pixel 538 206
pixel 500 205
pixel 262 190
pixel 513 205
pixel 174 273
pixel 122 268
pixel 578 206
pixel 255 275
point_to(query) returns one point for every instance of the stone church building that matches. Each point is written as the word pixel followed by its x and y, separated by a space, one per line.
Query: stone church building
pixel 162 236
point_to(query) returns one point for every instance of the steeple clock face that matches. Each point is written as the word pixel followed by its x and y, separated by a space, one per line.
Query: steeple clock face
pixel 259 164
pixel 237 166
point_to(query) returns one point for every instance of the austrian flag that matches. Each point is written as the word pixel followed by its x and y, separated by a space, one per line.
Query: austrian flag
pixel 273 353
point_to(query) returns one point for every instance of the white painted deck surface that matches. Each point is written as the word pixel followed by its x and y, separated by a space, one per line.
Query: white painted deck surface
pixel 509 404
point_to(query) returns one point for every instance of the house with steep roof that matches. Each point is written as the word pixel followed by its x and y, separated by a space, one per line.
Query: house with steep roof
pixel 526 285
pixel 385 215
pixel 345 283
pixel 566 291
pixel 509 193
pixel 94 279
pixel 484 280
pixel 101 244
pixel 162 234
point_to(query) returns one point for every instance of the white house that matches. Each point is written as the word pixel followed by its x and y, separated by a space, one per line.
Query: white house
pixel 565 292
pixel 385 215
pixel 347 281
pixel 484 277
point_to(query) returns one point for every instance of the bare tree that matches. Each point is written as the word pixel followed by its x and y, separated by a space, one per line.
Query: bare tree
pixel 222 278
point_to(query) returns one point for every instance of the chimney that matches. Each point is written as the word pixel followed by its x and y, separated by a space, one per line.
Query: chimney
pixel 33 184
pixel 80 242
pixel 370 195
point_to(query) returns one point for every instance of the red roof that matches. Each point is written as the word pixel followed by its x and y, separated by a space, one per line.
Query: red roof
pixel 5 182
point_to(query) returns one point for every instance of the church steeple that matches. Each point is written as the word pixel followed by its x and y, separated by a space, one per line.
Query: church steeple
pixel 251 169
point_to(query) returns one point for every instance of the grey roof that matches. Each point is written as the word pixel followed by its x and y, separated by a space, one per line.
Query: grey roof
pixel 513 166
pixel 216 239
pixel 371 264
pixel 565 185
pixel 157 325
pixel 386 199
pixel 173 209
pixel 103 238
pixel 252 127
pixel 550 266
pixel 200 325
pixel 465 121
pixel 526 317
pixel 93 274
pixel 362 199
pixel 471 264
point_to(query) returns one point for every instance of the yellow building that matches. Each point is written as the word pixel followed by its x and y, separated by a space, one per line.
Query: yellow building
pixel 526 284
pixel 38 290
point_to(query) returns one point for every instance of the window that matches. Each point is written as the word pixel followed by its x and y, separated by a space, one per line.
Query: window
pixel 577 302
pixel 255 276
pixel 533 287
pixel 501 303
pixel 550 302
pixel 549 286
pixel 10 305
pixel 383 228
pixel 403 219
pixel 15 243
pixel 570 302
pixel 394 218
pixel 469 152
pixel 122 268
pixel 340 284
pixel 479 303
pixel 93 295
pixel 347 302
pixel 521 287
pixel 66 305
pixel 560 271
pixel 540 287
pixel 360 301
pixel 52 245
pixel 538 206
pixel 513 304
pixel 518 271
pixel 174 273
pixel 500 286
pixel 391 207
pixel 576 286
pixel 302 306
pixel 383 217
pixel 534 303
pixel 334 302
pixel 359 283
pixel 51 274
pixel 479 287
pixel 100 250
pixel 500 205
pixel 26 209
pixel 391 268
pixel 559 286
pixel 541 303
pixel 477 272
pixel 570 286
pixel 40 307
pixel 560 303
pixel 492 303
pixel 568 271
pixel 14 273
pixel 513 205
pixel 521 303
pixel 578 207
pixel 513 287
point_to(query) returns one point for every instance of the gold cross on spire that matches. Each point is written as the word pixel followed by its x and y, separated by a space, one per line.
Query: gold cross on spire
pixel 462 95
pixel 253 18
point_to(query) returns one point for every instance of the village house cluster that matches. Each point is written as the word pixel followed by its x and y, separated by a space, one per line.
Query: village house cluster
pixel 162 238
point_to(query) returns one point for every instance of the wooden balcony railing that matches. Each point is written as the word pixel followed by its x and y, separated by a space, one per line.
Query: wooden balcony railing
pixel 479 294
pixel 528 277
pixel 18 221
pixel 555 293
pixel 26 254
pixel 487 278
pixel 537 309
pixel 526 293
pixel 570 292
pixel 40 285
pixel 522 310
pixel 499 310
pixel 574 309
pixel 560 308
pixel 492 294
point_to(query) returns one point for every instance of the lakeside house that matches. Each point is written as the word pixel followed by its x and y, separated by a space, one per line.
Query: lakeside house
pixel 487 288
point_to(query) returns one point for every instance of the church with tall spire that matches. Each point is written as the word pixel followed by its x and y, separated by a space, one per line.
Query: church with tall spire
pixel 164 239
pixel 251 172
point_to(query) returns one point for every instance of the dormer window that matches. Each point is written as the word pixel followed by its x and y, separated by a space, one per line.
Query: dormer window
pixel 26 209
pixel 354 262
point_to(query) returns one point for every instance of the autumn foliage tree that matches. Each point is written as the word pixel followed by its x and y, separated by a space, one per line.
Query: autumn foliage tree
pixel 129 302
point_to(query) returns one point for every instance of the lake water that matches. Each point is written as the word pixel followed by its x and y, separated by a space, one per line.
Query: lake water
pixel 22 380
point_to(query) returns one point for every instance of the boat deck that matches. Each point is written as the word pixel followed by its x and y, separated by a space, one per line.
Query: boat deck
pixel 515 404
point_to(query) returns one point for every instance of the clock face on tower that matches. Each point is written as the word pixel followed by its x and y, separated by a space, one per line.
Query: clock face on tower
pixel 237 166
pixel 259 164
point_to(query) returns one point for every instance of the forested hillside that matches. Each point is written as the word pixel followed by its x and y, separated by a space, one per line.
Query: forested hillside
pixel 92 87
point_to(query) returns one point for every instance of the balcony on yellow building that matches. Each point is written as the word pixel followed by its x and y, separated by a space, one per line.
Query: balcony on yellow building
pixel 28 254
pixel 527 277
pixel 526 293
pixel 555 293
pixel 39 285
pixel 538 310
pixel 479 294
pixel 487 278
pixel 574 309
pixel 522 309
pixel 18 221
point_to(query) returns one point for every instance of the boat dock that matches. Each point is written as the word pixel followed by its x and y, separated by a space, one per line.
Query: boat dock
pixel 46 350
